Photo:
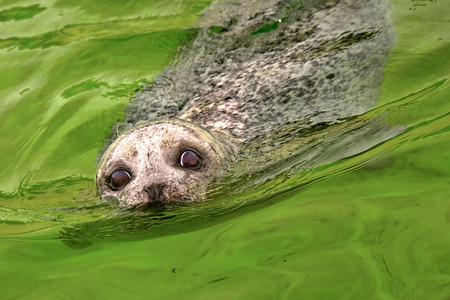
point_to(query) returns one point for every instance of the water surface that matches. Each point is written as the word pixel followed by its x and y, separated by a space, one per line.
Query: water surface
pixel 371 226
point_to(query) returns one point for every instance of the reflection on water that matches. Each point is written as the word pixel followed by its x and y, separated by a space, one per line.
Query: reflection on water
pixel 20 13
pixel 355 210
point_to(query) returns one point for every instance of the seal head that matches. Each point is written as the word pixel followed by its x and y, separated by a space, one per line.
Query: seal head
pixel 162 162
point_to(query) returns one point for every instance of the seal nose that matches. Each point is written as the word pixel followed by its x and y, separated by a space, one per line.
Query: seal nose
pixel 154 192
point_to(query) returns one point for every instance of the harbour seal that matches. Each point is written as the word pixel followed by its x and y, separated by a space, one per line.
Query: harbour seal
pixel 253 67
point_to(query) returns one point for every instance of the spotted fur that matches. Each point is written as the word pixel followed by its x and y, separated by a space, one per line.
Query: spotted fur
pixel 323 62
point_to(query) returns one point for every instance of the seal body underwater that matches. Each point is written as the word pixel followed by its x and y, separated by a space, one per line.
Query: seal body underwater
pixel 255 66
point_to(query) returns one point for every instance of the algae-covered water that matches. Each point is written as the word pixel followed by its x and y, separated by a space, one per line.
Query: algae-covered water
pixel 372 226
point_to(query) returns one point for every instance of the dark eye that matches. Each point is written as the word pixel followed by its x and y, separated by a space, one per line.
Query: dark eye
pixel 190 159
pixel 118 179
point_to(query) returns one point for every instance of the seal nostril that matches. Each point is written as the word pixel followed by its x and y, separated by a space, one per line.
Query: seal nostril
pixel 154 192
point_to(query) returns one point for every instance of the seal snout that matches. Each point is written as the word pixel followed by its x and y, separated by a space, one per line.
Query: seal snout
pixel 155 192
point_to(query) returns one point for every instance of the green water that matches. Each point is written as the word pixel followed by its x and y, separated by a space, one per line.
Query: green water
pixel 372 226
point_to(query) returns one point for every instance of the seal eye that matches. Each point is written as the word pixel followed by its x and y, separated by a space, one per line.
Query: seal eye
pixel 118 179
pixel 189 159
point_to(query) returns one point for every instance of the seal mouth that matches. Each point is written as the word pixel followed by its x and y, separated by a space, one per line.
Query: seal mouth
pixel 153 207
pixel 157 206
